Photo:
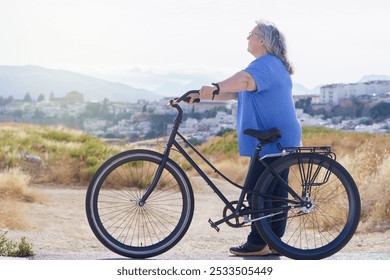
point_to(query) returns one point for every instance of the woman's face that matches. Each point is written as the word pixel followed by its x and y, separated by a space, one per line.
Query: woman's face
pixel 255 44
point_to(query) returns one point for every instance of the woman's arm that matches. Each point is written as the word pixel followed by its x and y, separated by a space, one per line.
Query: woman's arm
pixel 228 88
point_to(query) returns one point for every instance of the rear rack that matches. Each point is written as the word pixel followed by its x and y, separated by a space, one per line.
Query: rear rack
pixel 323 150
pixel 312 175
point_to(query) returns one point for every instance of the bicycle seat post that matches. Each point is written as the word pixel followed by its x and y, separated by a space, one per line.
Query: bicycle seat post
pixel 259 148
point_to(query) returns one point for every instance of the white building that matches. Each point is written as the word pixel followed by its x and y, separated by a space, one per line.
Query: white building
pixel 334 93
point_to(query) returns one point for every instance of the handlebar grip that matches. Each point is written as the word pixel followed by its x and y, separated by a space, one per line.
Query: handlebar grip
pixel 185 97
pixel 187 100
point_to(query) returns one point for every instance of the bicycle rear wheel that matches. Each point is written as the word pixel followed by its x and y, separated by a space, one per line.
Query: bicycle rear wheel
pixel 121 222
pixel 322 227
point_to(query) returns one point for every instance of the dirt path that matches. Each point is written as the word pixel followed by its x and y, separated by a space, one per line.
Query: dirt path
pixel 59 226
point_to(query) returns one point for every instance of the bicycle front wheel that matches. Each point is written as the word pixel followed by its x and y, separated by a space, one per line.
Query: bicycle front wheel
pixel 322 226
pixel 128 227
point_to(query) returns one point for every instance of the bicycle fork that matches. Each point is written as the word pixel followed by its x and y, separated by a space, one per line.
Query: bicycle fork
pixel 156 178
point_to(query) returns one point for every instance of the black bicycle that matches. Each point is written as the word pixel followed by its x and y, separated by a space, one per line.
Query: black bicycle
pixel 140 203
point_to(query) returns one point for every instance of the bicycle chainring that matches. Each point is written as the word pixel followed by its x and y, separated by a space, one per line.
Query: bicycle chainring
pixel 238 221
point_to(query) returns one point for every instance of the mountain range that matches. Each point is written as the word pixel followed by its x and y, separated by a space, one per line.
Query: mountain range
pixel 16 81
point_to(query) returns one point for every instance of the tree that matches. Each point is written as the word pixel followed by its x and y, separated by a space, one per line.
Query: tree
pixel 38 116
pixel 92 110
pixel 159 125
pixel 304 104
pixel 380 111
pixel 41 97
pixel 10 99
pixel 3 101
pixel 27 97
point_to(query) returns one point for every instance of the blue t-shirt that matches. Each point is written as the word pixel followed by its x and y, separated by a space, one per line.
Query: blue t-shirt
pixel 270 105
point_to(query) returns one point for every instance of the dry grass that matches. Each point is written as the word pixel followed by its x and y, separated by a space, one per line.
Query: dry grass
pixel 12 215
pixel 14 193
pixel 370 167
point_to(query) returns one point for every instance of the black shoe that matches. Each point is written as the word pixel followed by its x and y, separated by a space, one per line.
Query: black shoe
pixel 250 250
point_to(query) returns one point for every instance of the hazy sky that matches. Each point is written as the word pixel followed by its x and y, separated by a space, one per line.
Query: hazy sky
pixel 328 41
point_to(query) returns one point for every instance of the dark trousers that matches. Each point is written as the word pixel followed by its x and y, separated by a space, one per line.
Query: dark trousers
pixel 278 221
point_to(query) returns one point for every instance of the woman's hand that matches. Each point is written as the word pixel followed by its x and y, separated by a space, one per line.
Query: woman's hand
pixel 192 98
pixel 206 92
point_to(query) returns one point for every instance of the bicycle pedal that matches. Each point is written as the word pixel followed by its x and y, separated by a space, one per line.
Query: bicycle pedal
pixel 213 225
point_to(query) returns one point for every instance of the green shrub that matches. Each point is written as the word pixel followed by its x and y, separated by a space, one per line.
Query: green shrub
pixel 10 248
pixel 227 144
pixel 57 135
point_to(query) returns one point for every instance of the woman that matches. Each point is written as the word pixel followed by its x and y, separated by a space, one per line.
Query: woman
pixel 264 94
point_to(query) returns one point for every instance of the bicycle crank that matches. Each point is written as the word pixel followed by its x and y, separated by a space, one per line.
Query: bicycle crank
pixel 238 221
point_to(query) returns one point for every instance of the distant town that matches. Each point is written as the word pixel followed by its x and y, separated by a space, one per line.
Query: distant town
pixel 360 107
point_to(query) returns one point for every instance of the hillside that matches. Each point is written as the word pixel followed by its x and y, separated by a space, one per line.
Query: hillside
pixel 16 81
pixel 52 154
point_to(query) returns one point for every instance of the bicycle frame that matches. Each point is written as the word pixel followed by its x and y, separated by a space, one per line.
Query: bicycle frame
pixel 236 211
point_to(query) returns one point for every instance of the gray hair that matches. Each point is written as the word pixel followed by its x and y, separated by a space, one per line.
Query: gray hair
pixel 274 42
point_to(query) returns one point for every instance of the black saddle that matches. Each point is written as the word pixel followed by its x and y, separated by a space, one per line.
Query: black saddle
pixel 264 136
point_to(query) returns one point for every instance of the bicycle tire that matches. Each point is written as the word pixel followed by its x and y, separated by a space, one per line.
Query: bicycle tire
pixel 314 232
pixel 117 219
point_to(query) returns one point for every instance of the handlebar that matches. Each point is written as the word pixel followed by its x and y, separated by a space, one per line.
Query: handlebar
pixel 185 98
